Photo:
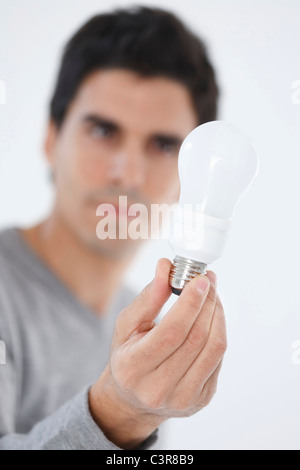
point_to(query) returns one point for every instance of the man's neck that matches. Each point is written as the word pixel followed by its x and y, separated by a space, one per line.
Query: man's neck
pixel 92 277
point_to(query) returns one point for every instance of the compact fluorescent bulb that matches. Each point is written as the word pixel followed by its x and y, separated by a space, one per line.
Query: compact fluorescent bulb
pixel 217 164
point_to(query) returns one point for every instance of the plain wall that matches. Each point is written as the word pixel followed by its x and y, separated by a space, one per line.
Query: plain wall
pixel 255 48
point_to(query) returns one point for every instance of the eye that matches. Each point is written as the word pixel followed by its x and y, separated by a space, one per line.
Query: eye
pixel 101 131
pixel 165 146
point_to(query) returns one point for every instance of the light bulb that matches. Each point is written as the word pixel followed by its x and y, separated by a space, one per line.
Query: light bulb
pixel 217 164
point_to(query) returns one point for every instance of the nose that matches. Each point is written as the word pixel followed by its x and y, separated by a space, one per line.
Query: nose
pixel 127 167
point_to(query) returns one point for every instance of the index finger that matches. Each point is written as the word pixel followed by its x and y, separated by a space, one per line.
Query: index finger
pixel 170 334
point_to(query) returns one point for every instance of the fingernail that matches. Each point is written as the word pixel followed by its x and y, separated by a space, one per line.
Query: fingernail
pixel 202 284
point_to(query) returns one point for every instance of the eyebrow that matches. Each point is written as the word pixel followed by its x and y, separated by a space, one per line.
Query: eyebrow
pixel 168 139
pixel 98 120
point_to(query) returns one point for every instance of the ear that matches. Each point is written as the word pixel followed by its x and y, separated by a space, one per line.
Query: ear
pixel 50 141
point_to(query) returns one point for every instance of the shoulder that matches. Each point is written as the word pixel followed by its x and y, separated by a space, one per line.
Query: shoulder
pixel 8 244
pixel 14 280
pixel 9 259
pixel 6 272
pixel 6 236
pixel 6 249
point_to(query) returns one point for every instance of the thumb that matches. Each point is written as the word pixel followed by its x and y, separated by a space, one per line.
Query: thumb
pixel 141 313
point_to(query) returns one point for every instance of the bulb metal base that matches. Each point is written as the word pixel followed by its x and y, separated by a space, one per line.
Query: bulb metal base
pixel 183 271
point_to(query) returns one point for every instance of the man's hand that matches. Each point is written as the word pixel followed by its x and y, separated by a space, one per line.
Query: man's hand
pixel 160 371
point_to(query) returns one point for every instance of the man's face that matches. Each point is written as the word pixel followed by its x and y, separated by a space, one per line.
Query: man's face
pixel 120 136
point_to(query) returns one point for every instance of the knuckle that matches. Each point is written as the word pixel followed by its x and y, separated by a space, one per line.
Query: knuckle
pixel 207 395
pixel 219 345
pixel 197 336
pixel 183 404
pixel 173 336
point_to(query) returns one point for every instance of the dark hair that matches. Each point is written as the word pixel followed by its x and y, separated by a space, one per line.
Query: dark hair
pixel 151 42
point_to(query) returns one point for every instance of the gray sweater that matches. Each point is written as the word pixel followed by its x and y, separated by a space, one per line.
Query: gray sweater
pixel 55 349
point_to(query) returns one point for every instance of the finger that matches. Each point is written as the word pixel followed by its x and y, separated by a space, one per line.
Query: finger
pixel 141 313
pixel 172 331
pixel 180 402
pixel 210 356
pixel 210 388
pixel 177 364
pixel 188 401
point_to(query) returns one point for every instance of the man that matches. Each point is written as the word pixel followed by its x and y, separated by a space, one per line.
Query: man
pixel 131 86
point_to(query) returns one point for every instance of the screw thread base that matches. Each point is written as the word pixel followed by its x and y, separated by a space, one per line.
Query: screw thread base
pixel 183 271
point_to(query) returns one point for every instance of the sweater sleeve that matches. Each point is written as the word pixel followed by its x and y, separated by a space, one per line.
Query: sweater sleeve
pixel 71 427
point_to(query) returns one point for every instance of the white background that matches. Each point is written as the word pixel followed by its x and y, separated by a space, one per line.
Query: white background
pixel 255 46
